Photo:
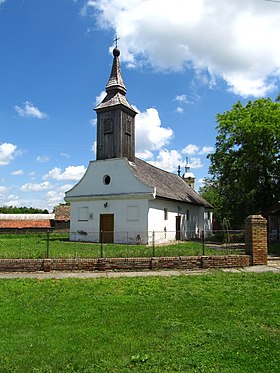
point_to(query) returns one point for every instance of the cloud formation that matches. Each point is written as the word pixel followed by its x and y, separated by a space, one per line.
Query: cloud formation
pixel 35 187
pixel 7 153
pixel 42 158
pixel 150 134
pixel 29 110
pixel 17 172
pixel 235 41
pixel 70 173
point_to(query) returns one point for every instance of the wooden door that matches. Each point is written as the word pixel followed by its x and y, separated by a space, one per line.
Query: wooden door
pixel 107 228
pixel 178 228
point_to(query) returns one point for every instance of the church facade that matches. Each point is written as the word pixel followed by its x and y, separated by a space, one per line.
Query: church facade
pixel 123 199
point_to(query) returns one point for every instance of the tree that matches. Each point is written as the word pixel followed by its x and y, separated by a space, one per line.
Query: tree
pixel 22 210
pixel 245 167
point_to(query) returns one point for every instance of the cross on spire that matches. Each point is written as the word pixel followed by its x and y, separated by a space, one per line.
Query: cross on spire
pixel 116 40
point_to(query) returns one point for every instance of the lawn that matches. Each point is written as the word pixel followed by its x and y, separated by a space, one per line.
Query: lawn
pixel 223 322
pixel 59 246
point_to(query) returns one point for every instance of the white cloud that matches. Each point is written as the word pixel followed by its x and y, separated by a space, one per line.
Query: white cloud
pixel 2 2
pixel 17 172
pixel 35 187
pixel 94 147
pixel 100 98
pixel 42 159
pixel 236 41
pixel 145 154
pixel 150 135
pixel 167 160
pixel 179 110
pixel 29 110
pixel 3 189
pixel 93 122
pixel 12 200
pixel 7 153
pixel 70 173
pixel 181 98
pixel 206 150
pixel 190 149
pixel 195 162
pixel 56 195
pixel 65 155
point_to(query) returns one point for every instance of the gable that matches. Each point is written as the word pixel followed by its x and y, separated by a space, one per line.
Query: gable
pixel 107 178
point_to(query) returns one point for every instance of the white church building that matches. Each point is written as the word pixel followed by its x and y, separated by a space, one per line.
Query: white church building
pixel 123 199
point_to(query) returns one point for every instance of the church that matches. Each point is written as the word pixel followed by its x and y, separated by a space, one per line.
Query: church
pixel 123 199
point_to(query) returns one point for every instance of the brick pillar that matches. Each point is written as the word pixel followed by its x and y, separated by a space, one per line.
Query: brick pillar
pixel 256 238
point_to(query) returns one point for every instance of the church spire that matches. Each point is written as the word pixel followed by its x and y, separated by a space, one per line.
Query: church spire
pixel 115 118
pixel 115 88
pixel 188 175
pixel 115 83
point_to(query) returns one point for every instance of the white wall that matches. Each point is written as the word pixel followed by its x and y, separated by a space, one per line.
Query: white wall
pixel 192 220
pixel 130 220
pixel 123 181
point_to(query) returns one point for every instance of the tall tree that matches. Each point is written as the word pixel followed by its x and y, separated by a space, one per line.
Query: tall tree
pixel 245 167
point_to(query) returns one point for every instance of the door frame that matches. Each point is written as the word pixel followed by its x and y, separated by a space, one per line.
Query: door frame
pixel 106 235
pixel 178 228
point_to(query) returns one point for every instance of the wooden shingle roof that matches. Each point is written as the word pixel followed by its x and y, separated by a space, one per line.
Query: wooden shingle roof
pixel 115 88
pixel 168 185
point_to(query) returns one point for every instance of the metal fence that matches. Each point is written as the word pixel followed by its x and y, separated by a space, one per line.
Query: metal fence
pixel 52 244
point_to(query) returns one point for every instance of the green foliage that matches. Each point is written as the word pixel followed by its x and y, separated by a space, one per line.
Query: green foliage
pixel 208 323
pixel 210 191
pixel 21 210
pixel 245 167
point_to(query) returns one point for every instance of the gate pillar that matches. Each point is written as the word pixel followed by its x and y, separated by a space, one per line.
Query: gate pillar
pixel 256 239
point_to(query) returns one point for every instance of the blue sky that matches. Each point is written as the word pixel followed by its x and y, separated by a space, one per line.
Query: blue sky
pixel 182 62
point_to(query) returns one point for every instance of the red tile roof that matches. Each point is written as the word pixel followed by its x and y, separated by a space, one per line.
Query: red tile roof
pixel 25 224
pixel 26 221
pixel 62 212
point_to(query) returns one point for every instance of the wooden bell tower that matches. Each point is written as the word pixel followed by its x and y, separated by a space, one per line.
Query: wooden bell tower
pixel 115 119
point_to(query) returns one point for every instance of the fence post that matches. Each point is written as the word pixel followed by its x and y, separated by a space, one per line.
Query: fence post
pixel 153 243
pixel 203 242
pixel 101 243
pixel 48 244
pixel 20 248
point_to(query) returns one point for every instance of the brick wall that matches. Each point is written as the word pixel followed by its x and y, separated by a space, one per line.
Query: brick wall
pixel 106 264
pixel 256 239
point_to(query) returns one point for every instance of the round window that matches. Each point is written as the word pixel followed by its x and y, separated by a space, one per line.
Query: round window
pixel 106 179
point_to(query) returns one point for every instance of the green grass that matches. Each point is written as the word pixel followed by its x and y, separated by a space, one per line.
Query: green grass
pixel 58 246
pixel 227 323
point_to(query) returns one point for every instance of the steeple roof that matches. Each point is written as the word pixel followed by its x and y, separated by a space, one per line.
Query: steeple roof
pixel 115 88
pixel 188 174
pixel 116 82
